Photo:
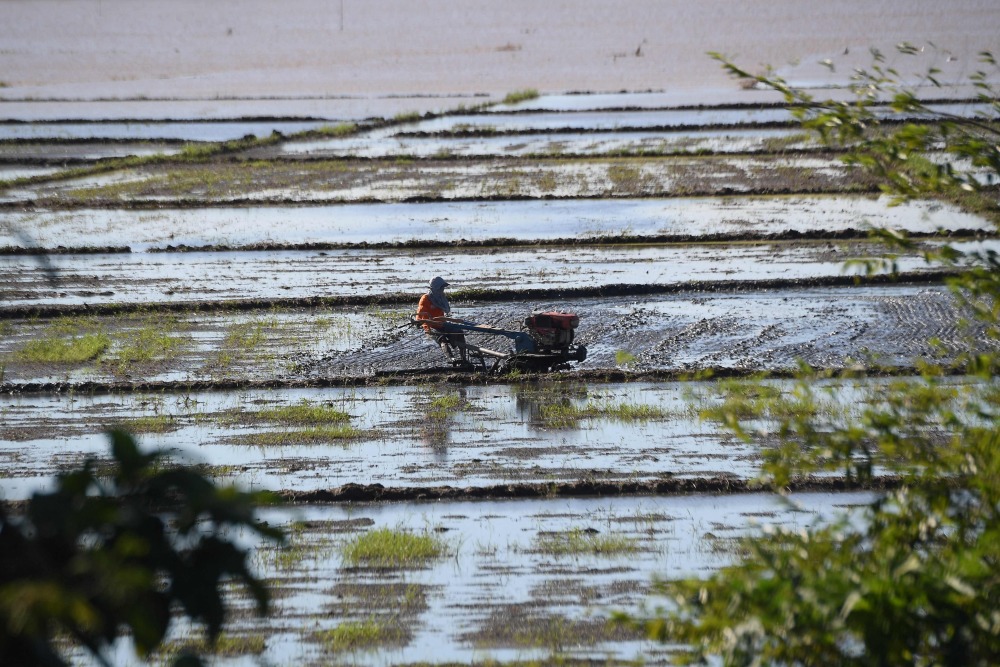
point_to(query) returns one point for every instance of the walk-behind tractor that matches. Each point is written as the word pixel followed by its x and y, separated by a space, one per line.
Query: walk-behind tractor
pixel 544 344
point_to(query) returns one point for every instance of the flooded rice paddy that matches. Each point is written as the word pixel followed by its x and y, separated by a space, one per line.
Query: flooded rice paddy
pixel 150 131
pixel 735 328
pixel 220 290
pixel 399 435
pixel 506 587
pixel 132 279
pixel 738 217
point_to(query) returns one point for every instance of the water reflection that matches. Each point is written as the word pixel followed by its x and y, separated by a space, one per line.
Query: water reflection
pixel 438 413
pixel 547 405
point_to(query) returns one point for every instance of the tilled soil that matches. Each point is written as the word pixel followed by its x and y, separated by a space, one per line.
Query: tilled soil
pixel 739 329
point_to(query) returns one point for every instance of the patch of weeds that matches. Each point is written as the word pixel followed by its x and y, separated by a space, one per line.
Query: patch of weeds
pixel 780 144
pixel 218 471
pixel 146 344
pixel 744 398
pixel 190 153
pixel 517 96
pixel 443 407
pixel 398 599
pixel 437 413
pixel 547 182
pixel 580 542
pixel 359 635
pixel 225 645
pixel 151 424
pixel 66 341
pixel 567 415
pixel 308 436
pixel 388 316
pixel 388 548
pixel 245 341
pixel 624 358
pixel 519 626
pixel 303 413
pixel 980 202
pixel 535 400
pixel 198 151
pixel 338 130
pixel 246 334
pixel 625 179
pixel 407 117
pixel 65 350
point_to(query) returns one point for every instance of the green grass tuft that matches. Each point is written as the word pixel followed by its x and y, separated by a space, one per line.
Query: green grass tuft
pixel 624 358
pixel 578 542
pixel 567 414
pixel 338 130
pixel 61 350
pixel 146 344
pixel 307 436
pixel 385 547
pixel 225 645
pixel 520 96
pixel 354 635
pixel 303 413
pixel 443 407
pixel 150 424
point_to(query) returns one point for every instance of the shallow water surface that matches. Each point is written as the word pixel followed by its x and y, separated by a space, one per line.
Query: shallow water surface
pixel 474 221
pixel 130 278
pixel 490 435
pixel 496 594
pixel 136 130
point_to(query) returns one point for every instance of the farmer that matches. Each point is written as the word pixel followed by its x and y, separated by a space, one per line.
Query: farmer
pixel 433 311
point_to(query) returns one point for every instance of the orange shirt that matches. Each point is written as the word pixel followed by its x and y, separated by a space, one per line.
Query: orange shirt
pixel 426 310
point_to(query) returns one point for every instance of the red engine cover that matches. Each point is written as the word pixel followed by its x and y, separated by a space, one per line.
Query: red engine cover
pixel 553 320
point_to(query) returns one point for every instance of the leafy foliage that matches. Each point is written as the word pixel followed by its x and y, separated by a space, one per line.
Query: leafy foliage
pixel 98 556
pixel 913 579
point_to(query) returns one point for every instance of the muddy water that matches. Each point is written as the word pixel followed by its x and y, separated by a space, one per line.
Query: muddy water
pixel 240 276
pixel 475 221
